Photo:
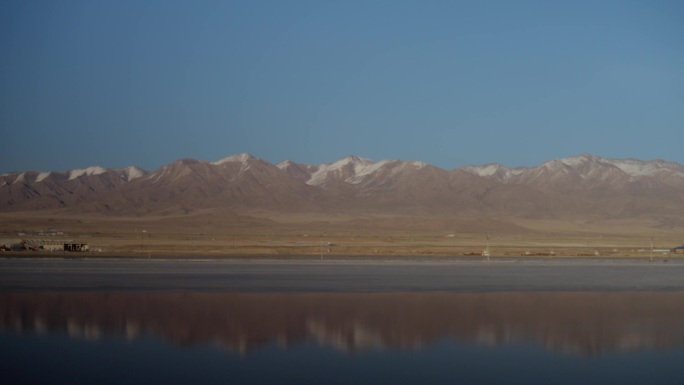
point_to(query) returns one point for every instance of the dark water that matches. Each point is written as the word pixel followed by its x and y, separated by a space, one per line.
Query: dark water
pixel 343 338
pixel 61 359
pixel 278 276
pixel 124 322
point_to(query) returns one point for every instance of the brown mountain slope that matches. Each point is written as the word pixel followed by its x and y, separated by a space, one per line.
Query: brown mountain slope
pixel 580 187
pixel 33 190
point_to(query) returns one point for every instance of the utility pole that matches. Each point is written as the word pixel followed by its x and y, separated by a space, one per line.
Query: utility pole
pixel 142 236
pixel 486 253
pixel 650 259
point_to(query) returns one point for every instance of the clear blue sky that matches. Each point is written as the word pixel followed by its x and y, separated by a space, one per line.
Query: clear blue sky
pixel 118 83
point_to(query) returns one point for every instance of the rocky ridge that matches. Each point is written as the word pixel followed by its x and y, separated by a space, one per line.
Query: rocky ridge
pixel 583 186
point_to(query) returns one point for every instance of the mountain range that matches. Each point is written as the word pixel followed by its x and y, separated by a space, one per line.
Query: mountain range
pixel 578 187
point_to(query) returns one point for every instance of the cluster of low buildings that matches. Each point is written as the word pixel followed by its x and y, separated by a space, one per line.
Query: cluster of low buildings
pixel 42 245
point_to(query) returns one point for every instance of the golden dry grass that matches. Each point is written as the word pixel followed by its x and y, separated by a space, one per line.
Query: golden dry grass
pixel 213 235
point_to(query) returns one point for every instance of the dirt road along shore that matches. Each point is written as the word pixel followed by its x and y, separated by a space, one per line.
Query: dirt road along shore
pixel 340 275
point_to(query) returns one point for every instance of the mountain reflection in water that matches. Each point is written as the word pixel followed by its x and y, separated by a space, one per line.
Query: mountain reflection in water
pixel 584 323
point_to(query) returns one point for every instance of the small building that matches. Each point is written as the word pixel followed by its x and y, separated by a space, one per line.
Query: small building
pixel 9 244
pixel 678 250
pixel 76 247
pixel 34 245
pixel 51 245
pixel 31 244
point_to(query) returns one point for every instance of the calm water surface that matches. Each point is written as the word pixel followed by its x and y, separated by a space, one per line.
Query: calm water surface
pixel 70 330
pixel 57 358
pixel 345 338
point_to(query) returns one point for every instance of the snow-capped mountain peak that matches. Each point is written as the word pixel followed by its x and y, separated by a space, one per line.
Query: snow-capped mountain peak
pixel 495 171
pixel 635 168
pixel 237 158
pixel 355 161
pixel 574 161
pixel 584 166
pixel 573 186
pixel 588 164
pixel 355 170
pixel 351 169
pixel 346 169
pixel 94 170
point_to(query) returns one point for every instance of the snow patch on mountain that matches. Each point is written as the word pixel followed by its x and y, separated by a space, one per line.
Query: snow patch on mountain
pixel 175 170
pixel 186 171
pixel 95 170
pixel 418 165
pixel 555 165
pixel 357 164
pixel 585 166
pixel 495 171
pixel 157 175
pixel 284 165
pixel 133 173
pixel 41 176
pixel 244 167
pixel 486 170
pixel 20 178
pixel 362 171
pixel 576 161
pixel 632 167
pixel 238 158
pixel 636 168
pixel 357 171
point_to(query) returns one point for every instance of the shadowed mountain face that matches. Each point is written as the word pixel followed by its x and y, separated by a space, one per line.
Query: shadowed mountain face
pixel 584 186
pixel 584 324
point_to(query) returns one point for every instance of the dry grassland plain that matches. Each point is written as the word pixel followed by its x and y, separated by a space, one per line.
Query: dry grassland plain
pixel 316 236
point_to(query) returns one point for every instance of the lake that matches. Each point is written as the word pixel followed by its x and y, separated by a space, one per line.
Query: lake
pixel 243 322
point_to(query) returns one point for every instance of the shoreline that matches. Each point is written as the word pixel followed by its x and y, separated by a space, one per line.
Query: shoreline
pixel 198 257
pixel 464 275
